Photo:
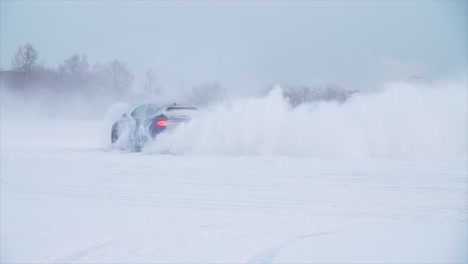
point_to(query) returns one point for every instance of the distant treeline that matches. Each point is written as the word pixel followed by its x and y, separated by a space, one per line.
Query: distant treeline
pixel 73 75
pixel 115 81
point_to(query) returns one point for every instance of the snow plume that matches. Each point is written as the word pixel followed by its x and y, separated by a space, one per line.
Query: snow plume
pixel 402 121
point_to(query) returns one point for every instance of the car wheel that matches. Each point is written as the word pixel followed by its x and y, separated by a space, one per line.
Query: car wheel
pixel 114 135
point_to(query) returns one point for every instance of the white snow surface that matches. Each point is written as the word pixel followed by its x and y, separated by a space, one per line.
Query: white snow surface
pixel 380 179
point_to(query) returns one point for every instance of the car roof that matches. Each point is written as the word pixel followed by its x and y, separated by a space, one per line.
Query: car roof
pixel 166 107
pixel 172 106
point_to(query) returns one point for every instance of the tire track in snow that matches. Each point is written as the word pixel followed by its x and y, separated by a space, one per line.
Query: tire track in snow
pixel 325 194
pixel 267 256
pixel 78 254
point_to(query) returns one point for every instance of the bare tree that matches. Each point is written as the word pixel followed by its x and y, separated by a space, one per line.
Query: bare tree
pixel 301 94
pixel 122 78
pixel 99 75
pixel 25 59
pixel 150 84
pixel 75 68
pixel 115 77
pixel 207 93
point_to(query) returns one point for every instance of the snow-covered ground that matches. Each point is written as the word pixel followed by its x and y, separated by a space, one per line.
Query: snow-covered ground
pixel 250 190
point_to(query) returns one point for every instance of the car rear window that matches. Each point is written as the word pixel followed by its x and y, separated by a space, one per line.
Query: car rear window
pixel 180 111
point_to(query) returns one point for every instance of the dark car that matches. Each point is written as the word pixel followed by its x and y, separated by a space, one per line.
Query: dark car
pixel 149 120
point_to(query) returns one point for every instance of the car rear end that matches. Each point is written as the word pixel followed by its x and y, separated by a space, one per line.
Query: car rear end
pixel 170 118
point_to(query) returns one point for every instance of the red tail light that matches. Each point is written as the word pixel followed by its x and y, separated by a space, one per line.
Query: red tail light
pixel 161 123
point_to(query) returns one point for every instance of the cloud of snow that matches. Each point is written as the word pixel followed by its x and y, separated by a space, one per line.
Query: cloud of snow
pixel 403 120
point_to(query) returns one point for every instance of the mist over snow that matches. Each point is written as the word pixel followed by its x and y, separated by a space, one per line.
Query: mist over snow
pixel 398 120
pixel 403 120
pixel 41 103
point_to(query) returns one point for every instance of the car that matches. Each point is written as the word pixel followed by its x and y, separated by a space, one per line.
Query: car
pixel 147 121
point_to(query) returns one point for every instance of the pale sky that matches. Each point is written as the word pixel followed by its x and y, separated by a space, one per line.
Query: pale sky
pixel 356 44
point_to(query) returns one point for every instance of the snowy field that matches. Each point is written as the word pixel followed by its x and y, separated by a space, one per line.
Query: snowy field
pixel 380 179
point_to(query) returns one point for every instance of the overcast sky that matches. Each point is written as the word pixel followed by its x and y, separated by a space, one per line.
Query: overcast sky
pixel 357 44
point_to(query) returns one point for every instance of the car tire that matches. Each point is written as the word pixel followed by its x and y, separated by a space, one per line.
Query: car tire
pixel 114 135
